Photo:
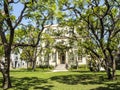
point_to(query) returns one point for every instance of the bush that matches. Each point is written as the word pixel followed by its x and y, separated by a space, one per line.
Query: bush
pixel 46 66
pixel 94 66
pixel 73 67
pixel 80 67
pixel 83 67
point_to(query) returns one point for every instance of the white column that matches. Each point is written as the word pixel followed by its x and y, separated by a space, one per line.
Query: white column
pixel 56 57
pixel 50 59
pixel 66 57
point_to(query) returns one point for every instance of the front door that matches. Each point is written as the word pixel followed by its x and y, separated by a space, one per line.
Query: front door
pixel 62 58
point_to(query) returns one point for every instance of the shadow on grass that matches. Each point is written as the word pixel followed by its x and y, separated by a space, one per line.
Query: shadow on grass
pixel 30 70
pixel 88 79
pixel 32 83
pixel 87 71
pixel 77 79
pixel 80 71
pixel 110 86
pixel 29 83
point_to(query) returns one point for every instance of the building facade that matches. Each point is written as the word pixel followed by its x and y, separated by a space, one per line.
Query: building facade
pixel 60 46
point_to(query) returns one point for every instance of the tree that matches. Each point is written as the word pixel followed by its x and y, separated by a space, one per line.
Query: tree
pixel 29 54
pixel 28 36
pixel 9 24
pixel 6 20
pixel 101 26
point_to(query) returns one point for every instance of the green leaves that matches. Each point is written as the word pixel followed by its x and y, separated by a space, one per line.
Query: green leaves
pixel 96 21
pixel 1 51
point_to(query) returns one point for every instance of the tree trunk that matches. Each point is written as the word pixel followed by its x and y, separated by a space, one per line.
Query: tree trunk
pixel 113 69
pixel 108 69
pixel 6 80
pixel 34 59
pixel 109 75
pixel 33 65
pixel 48 61
pixel 27 64
pixel 76 64
pixel 6 70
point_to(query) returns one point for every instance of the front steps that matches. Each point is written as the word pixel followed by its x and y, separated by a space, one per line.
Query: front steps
pixel 60 68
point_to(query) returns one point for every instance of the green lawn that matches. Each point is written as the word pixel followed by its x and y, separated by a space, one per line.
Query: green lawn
pixel 71 80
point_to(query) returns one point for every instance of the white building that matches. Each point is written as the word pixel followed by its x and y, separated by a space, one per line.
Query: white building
pixel 16 62
pixel 60 47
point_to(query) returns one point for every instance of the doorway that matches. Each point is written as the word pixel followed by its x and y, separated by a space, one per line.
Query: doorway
pixel 62 60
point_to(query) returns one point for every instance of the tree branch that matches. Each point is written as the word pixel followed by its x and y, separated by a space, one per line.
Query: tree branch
pixel 108 8
pixel 20 17
pixel 92 51
pixel 12 1
pixel 114 34
pixel 2 34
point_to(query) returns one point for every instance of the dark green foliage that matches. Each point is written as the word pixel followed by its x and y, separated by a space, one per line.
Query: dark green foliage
pixel 118 62
pixel 98 23
pixel 73 67
pixel 78 68
pixel 46 66
pixel 93 65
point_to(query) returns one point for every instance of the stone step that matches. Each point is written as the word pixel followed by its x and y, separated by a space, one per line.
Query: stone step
pixel 59 70
pixel 60 67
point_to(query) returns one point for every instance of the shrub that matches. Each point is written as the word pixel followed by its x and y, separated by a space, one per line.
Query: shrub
pixel 73 67
pixel 46 66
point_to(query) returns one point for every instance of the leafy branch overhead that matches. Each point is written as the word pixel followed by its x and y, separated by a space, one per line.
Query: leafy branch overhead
pixel 97 21
pixel 15 33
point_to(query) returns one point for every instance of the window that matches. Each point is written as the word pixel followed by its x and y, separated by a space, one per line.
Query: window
pixel 46 58
pixel 71 32
pixel 16 58
pixel 71 56
pixel 80 58
pixel 47 31
pixel 54 57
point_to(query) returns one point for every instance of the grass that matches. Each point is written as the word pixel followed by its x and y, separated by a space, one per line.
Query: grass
pixel 71 80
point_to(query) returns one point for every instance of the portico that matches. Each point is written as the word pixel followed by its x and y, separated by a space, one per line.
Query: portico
pixel 61 57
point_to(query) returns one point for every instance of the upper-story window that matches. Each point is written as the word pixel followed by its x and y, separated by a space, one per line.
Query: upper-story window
pixel 70 32
pixel 16 58
pixel 47 31
pixel 79 58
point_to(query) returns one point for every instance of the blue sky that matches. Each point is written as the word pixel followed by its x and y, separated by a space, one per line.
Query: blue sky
pixel 17 8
